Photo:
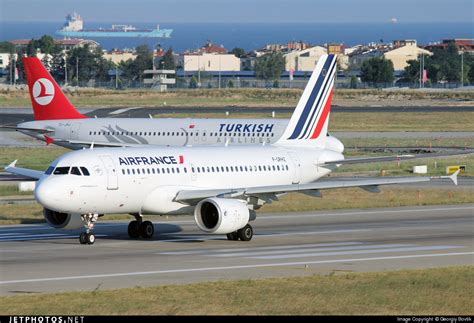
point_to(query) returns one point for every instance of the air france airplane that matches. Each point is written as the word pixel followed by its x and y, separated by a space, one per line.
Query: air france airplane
pixel 222 186
pixel 57 121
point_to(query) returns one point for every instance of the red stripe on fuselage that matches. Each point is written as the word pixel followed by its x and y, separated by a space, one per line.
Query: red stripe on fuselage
pixel 322 119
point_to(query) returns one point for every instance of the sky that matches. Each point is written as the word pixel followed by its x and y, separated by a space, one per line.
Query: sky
pixel 240 11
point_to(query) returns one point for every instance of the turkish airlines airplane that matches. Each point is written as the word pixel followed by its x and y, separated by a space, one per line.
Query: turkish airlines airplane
pixel 57 121
pixel 222 185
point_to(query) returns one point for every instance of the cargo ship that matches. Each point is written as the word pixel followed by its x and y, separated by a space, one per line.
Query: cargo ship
pixel 73 27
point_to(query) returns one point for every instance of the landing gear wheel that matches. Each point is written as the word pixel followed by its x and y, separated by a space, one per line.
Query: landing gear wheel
pixel 147 230
pixel 83 238
pixel 90 237
pixel 134 229
pixel 246 233
pixel 233 236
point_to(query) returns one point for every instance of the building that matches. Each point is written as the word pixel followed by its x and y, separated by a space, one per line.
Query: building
pixel 335 49
pixel 462 45
pixel 117 56
pixel 401 55
pixel 65 44
pixel 208 62
pixel 304 60
pixel 4 60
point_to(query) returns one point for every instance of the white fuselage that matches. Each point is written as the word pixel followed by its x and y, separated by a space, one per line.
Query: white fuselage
pixel 164 132
pixel 146 180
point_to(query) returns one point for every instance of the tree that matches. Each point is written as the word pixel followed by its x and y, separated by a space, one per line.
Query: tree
pixel 133 69
pixel 47 45
pixel 238 52
pixel 84 64
pixel 269 66
pixel 167 61
pixel 7 47
pixel 377 70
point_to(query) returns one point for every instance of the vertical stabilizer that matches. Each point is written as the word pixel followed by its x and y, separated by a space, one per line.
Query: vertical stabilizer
pixel 49 102
pixel 309 123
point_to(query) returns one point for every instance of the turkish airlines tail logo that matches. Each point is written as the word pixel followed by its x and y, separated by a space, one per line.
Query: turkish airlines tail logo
pixel 43 91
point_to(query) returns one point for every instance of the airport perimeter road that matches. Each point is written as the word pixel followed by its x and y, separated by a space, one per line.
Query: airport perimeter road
pixel 35 258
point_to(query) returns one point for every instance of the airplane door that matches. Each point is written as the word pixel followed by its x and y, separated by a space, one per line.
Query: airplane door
pixel 111 171
pixel 75 130
pixel 296 166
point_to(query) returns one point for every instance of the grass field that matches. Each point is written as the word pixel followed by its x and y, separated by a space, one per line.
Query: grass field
pixel 441 291
pixel 87 97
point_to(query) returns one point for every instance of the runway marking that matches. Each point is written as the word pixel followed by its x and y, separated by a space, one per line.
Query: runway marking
pixel 174 271
pixel 123 110
pixel 207 237
pixel 309 249
pixel 354 252
pixel 181 253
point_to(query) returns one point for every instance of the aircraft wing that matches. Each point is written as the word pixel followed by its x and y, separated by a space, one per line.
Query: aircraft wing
pixel 38 130
pixel 193 196
pixel 360 160
pixel 35 174
pixel 97 143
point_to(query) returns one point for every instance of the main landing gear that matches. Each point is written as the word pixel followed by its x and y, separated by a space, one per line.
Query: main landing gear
pixel 244 234
pixel 89 220
pixel 140 228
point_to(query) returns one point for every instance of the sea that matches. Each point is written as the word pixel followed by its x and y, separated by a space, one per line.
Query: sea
pixel 249 36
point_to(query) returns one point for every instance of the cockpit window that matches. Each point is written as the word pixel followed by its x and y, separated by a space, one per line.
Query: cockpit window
pixel 85 172
pixel 75 171
pixel 49 171
pixel 61 171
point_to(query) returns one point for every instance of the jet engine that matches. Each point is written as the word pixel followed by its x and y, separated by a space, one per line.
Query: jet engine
pixel 221 216
pixel 60 220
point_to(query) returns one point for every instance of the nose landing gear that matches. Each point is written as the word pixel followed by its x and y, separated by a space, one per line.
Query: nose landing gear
pixel 89 220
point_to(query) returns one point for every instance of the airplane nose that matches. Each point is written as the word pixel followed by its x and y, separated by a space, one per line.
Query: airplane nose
pixel 46 195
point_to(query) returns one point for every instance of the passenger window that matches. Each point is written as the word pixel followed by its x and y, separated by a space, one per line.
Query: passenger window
pixel 185 170
pixel 61 171
pixel 49 171
pixel 177 170
pixel 212 169
pixel 123 171
pixel 128 171
pixel 133 171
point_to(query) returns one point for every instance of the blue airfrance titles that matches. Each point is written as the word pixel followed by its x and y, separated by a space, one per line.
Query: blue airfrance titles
pixel 246 127
pixel 137 161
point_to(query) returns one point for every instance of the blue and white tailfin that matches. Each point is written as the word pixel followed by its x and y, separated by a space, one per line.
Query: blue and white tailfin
pixel 309 123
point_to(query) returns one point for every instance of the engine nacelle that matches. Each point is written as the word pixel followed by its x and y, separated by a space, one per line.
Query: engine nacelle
pixel 221 216
pixel 60 220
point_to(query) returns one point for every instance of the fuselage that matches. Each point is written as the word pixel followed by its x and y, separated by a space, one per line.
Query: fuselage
pixel 73 133
pixel 146 180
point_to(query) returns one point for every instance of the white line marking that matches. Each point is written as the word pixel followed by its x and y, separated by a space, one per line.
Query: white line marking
pixel 308 250
pixel 123 110
pixel 353 252
pixel 205 251
pixel 171 271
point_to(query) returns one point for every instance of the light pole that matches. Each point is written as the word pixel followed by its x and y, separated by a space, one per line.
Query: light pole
pixel 65 68
pixel 219 71
pixel 462 68
pixel 77 70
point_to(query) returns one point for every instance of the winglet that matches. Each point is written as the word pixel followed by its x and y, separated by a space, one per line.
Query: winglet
pixel 12 164
pixel 453 177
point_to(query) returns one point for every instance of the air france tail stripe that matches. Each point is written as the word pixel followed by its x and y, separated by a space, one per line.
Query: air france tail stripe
pixel 317 109
pixel 323 118
pixel 309 104
pixel 328 89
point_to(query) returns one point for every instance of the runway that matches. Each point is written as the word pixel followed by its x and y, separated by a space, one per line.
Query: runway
pixel 35 258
